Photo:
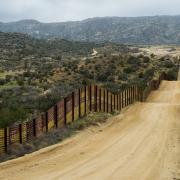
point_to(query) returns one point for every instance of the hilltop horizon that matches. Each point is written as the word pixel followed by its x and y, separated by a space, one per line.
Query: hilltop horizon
pixel 123 30
pixel 70 10
pixel 85 19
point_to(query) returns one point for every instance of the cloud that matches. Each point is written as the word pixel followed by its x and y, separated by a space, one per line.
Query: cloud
pixel 66 10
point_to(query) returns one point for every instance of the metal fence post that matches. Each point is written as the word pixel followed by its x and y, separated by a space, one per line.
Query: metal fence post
pixel 132 94
pixel 126 97
pixel 5 139
pixel 79 103
pixel 65 111
pixel 85 104
pixel 90 97
pixel 124 103
pixel 72 106
pixel 107 101
pixel 114 107
pixel 95 98
pixel 117 101
pixel 46 119
pixel 104 98
pixel 120 105
pixel 111 103
pixel 100 99
pixel 122 99
pixel 129 95
pixel 34 127
pixel 20 133
pixel 56 116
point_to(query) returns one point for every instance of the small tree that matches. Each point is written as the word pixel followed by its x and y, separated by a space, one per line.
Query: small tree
pixel 8 116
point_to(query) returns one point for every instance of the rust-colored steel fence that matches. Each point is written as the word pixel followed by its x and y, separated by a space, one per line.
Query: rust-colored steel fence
pixel 152 85
pixel 76 105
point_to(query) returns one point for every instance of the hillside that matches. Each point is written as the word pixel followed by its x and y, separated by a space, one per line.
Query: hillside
pixel 44 47
pixel 137 30
pixel 36 73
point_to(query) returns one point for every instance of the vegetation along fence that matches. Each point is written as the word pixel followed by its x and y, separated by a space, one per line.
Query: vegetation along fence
pixel 79 103
pixel 152 85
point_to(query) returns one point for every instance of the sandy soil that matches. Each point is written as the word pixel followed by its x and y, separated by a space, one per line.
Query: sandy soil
pixel 143 142
pixel 94 52
pixel 162 50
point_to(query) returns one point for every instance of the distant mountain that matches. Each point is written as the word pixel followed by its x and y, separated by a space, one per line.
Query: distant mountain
pixel 130 30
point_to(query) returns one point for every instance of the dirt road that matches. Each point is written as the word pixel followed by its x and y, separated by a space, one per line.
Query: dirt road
pixel 141 143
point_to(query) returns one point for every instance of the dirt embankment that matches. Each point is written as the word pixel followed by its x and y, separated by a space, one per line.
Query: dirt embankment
pixel 143 142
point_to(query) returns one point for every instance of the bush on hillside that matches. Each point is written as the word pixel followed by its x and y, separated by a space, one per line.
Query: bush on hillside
pixel 8 116
pixel 172 74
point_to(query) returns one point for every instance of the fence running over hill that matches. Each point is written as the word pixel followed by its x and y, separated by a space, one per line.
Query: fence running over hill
pixel 79 103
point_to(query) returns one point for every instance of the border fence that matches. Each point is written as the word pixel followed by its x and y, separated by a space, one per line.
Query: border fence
pixel 76 105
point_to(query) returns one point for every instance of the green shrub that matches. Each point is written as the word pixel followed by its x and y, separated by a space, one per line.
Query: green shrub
pixel 128 70
pixel 2 81
pixel 133 60
pixel 168 64
pixel 172 74
pixel 8 116
pixel 146 59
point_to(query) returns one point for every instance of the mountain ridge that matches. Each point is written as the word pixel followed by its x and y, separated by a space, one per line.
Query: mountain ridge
pixel 91 18
pixel 127 30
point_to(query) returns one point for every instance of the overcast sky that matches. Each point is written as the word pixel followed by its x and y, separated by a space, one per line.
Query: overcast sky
pixel 68 10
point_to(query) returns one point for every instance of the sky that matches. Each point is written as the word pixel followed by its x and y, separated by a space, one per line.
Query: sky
pixel 74 10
